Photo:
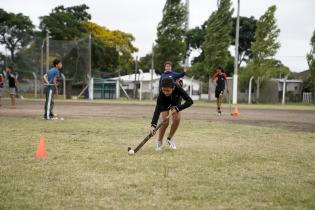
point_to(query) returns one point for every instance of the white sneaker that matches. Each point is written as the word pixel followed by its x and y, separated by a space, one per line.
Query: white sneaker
pixel 171 144
pixel 158 146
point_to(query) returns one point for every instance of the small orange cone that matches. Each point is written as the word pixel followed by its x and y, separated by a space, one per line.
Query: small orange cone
pixel 41 148
pixel 235 112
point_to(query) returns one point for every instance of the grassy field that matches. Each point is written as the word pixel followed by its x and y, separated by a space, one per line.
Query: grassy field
pixel 216 166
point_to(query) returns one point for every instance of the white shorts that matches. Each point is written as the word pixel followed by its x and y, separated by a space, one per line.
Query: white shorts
pixel 12 91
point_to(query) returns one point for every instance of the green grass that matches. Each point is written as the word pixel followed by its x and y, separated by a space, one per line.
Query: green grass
pixel 216 166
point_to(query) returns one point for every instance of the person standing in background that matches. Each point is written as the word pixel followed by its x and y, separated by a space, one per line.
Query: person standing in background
pixel 11 76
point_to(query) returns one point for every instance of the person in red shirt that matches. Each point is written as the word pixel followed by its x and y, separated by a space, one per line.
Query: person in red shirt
pixel 221 80
pixel 12 78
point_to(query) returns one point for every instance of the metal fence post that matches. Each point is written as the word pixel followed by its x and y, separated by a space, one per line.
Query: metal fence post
pixel 250 90
pixel 283 89
pixel 35 82
pixel 64 85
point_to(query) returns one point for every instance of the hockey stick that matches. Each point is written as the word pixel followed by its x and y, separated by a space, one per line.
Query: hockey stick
pixel 148 136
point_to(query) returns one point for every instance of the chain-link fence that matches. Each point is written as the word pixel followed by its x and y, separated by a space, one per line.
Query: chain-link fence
pixel 32 61
pixel 271 91
pixel 75 55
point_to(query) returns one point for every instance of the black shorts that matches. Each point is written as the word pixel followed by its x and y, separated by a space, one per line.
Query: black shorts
pixel 218 92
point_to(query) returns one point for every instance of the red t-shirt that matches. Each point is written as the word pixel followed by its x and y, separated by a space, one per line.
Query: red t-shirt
pixel 1 81
pixel 221 78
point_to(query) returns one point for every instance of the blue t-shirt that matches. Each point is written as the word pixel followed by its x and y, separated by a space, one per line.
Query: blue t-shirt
pixel 52 74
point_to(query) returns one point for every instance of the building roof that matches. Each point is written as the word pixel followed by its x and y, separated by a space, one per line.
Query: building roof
pixel 145 76
pixel 302 74
pixel 289 80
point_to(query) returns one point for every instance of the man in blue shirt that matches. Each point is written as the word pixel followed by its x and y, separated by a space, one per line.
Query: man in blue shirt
pixel 169 73
pixel 50 79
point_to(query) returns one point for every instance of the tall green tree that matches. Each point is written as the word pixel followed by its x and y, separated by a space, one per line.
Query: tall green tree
pixel 16 31
pixel 111 49
pixel 264 48
pixel 311 63
pixel 170 35
pixel 246 37
pixel 195 37
pixel 145 62
pixel 64 23
pixel 217 39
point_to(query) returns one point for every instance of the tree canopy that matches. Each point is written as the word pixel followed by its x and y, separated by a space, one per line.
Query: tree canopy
pixel 310 57
pixel 262 65
pixel 64 23
pixel 246 37
pixel 111 48
pixel 171 35
pixel 16 31
pixel 217 39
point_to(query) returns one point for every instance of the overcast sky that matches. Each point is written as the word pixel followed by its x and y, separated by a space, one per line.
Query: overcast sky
pixel 296 19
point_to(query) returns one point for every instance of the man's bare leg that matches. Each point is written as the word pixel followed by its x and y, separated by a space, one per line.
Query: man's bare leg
pixel 164 126
pixel 175 124
pixel 220 100
pixel 12 100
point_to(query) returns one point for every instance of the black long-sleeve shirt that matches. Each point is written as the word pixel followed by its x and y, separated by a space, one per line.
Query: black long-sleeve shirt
pixel 164 102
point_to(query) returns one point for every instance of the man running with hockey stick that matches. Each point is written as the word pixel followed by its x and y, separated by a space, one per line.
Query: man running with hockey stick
pixel 169 101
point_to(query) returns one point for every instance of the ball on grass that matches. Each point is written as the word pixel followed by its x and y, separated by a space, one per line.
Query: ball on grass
pixel 131 152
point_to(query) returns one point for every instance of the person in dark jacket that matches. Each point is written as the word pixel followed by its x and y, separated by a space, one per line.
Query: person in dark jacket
pixel 12 78
pixel 169 101
pixel 168 72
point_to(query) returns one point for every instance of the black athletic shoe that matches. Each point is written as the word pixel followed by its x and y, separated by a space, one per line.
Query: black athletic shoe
pixel 51 117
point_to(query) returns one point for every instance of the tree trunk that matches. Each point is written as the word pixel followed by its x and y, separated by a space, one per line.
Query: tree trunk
pixel 209 89
pixel 12 54
pixel 257 90
pixel 240 59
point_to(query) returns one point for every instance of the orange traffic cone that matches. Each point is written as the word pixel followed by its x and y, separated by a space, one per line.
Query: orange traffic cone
pixel 235 112
pixel 41 148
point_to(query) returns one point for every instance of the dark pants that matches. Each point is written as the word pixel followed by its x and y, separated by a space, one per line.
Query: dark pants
pixel 49 104
pixel 218 91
